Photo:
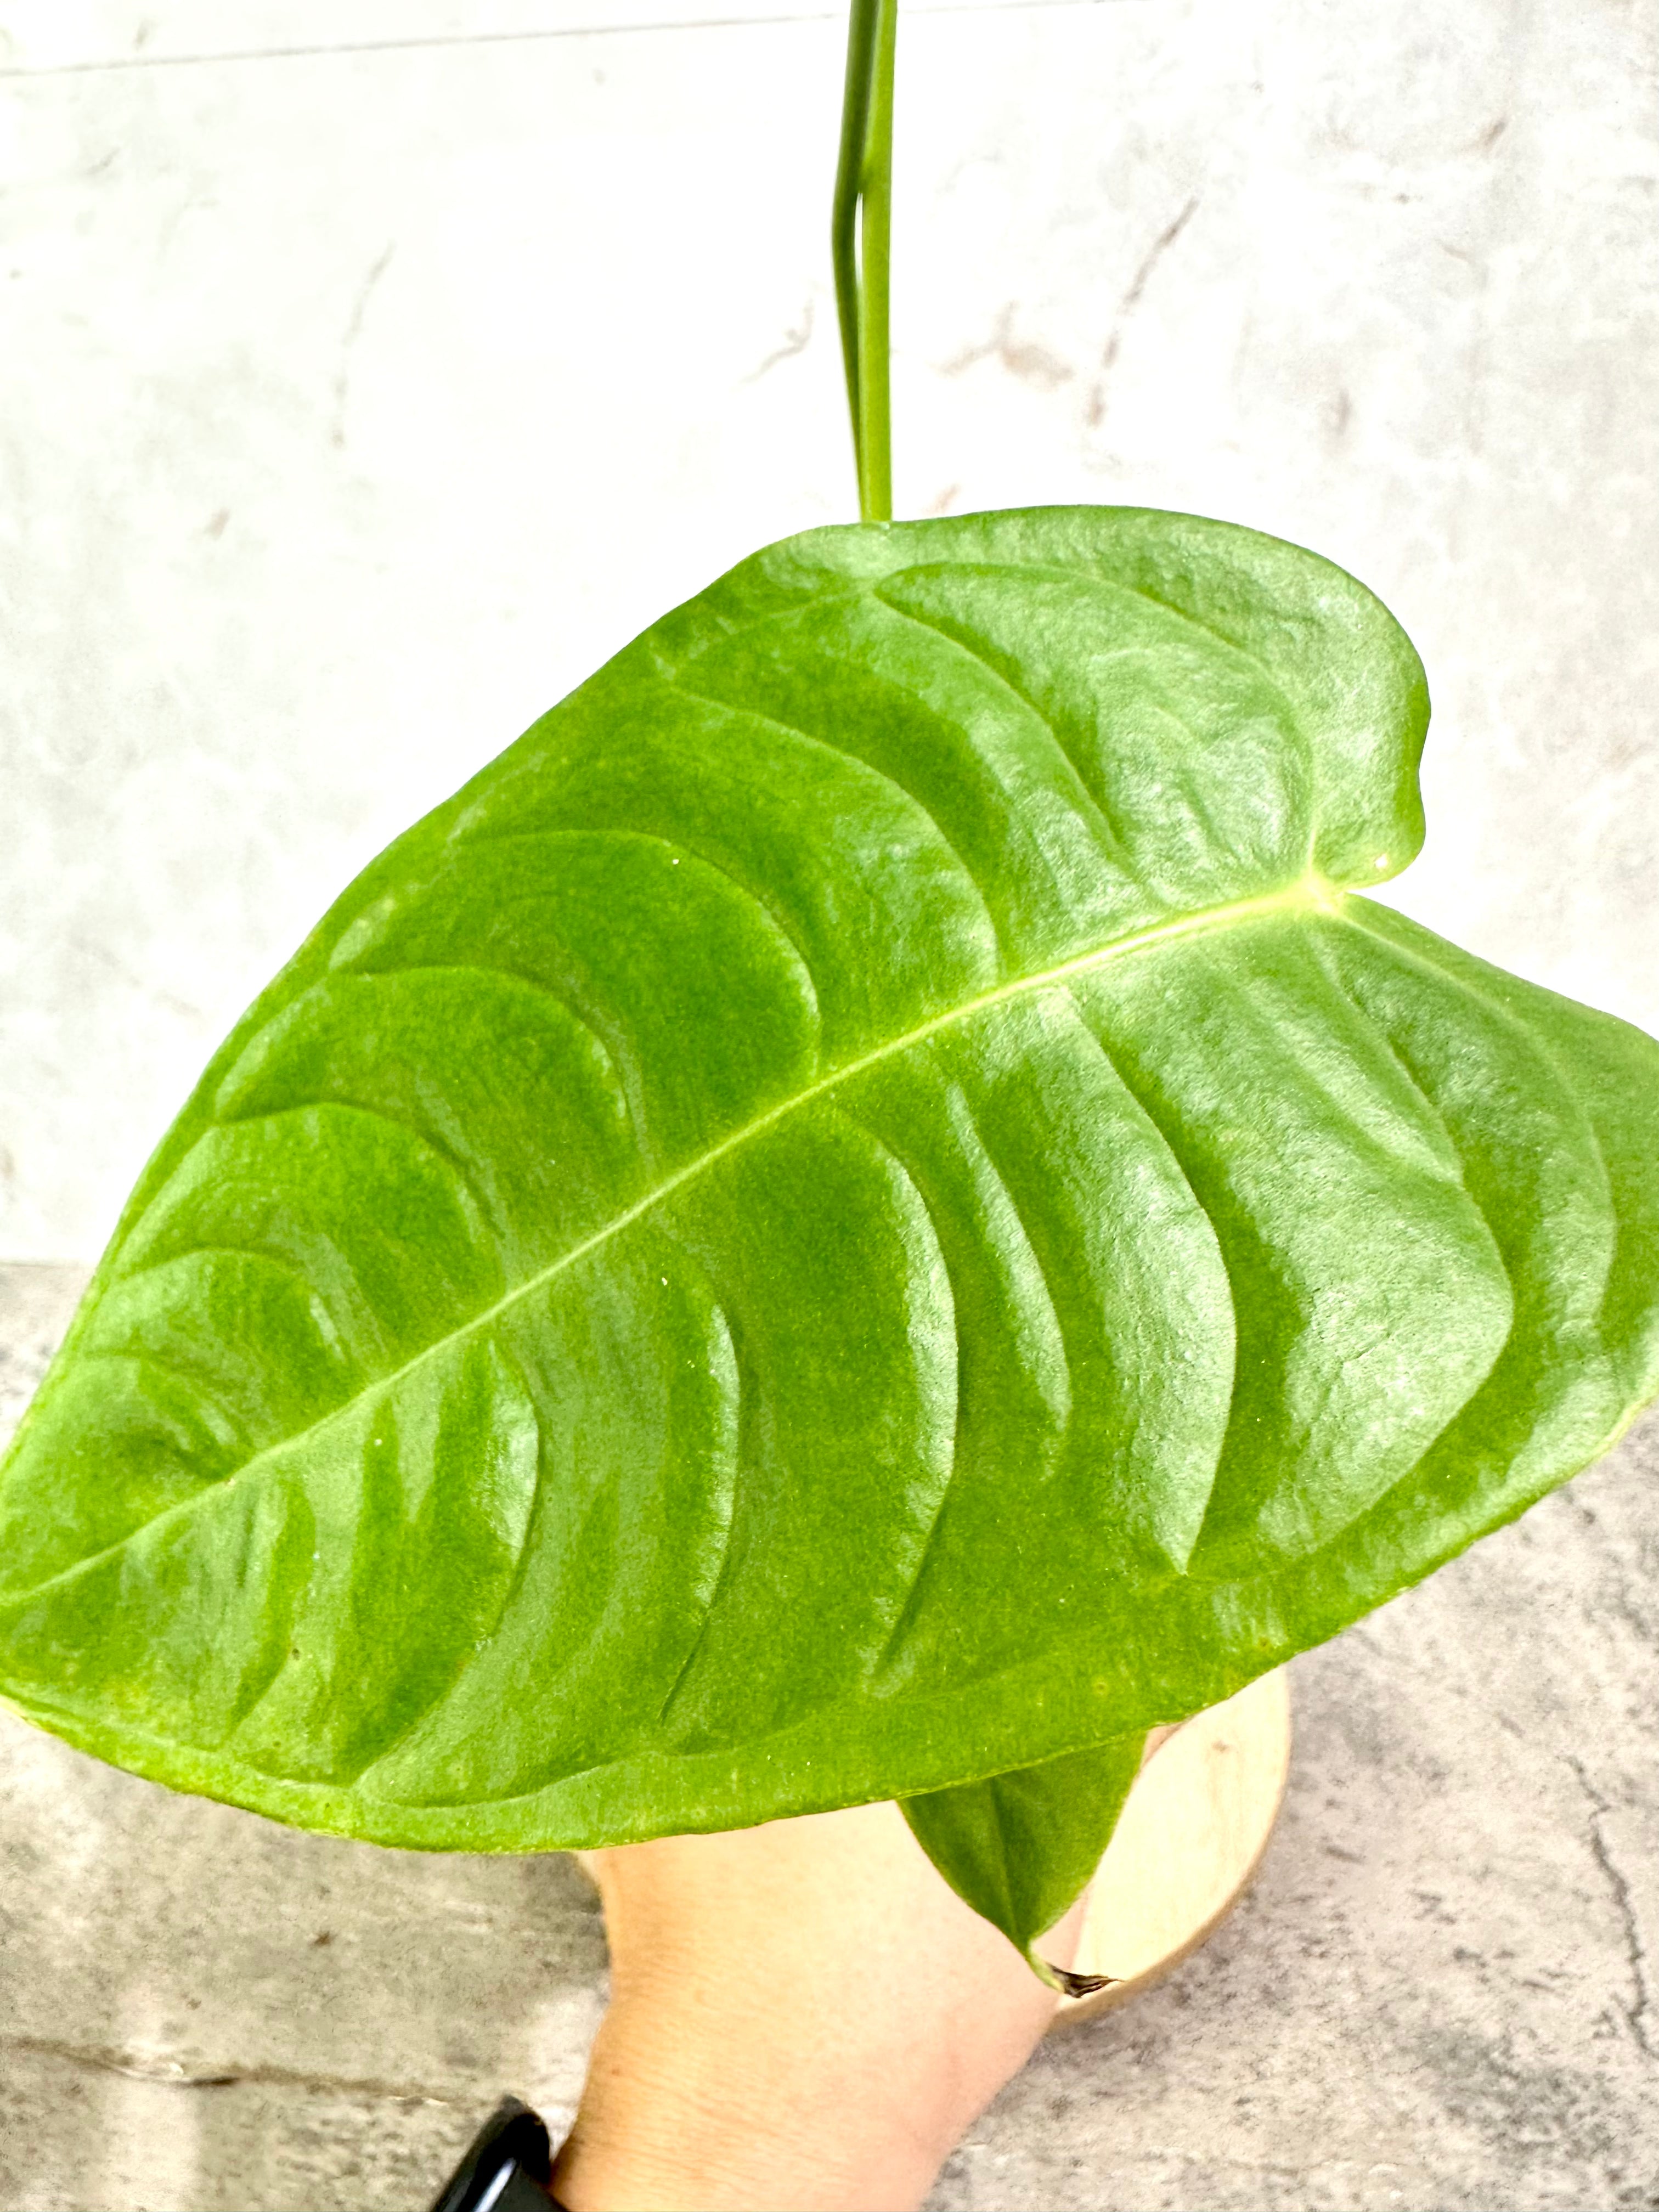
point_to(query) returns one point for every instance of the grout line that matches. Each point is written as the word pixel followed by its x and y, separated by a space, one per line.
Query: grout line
pixel 442 40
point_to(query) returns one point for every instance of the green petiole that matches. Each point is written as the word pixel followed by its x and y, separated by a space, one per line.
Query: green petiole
pixel 861 234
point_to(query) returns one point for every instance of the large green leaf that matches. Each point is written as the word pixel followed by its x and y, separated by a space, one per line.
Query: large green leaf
pixel 866 1208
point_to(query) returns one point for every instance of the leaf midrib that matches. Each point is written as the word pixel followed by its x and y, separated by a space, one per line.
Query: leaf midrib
pixel 1311 894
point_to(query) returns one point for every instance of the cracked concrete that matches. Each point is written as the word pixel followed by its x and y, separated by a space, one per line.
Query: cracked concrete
pixel 1132 298
pixel 354 331
pixel 1638 2012
pixel 1030 363
pixel 1435 1998
pixel 1375 277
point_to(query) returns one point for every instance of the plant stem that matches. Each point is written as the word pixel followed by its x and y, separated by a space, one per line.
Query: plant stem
pixel 860 239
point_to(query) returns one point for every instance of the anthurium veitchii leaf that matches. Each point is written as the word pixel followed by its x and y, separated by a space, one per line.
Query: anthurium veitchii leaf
pixel 866 1208
pixel 1020 1847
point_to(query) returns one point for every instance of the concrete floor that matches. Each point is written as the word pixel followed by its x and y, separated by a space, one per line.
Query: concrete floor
pixel 1443 1994
pixel 368 370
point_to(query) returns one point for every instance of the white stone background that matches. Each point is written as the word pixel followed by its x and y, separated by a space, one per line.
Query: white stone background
pixel 371 369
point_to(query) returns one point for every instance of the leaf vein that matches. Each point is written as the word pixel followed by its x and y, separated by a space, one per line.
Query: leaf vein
pixel 767 913
pixel 1093 803
pixel 441 1154
pixel 678 682
pixel 1304 895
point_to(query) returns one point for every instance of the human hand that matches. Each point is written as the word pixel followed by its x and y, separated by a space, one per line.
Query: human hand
pixel 802 2015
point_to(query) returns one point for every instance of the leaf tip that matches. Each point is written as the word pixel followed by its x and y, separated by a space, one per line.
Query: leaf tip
pixel 1071 1985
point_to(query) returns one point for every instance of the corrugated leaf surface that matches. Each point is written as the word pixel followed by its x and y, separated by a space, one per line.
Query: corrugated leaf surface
pixel 867 1207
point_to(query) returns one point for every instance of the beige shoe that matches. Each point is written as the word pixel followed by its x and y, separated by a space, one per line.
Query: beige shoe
pixel 1191 1836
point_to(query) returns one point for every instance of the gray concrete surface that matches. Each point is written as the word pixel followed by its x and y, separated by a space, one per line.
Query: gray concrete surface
pixel 1441 1996
pixel 368 370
